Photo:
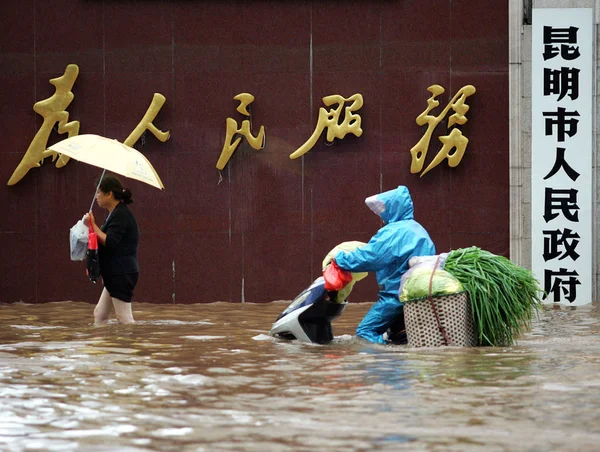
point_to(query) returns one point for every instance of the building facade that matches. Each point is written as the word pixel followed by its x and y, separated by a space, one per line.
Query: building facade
pixel 258 229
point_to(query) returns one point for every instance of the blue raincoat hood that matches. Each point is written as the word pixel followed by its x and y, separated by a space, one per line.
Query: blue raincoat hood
pixel 392 205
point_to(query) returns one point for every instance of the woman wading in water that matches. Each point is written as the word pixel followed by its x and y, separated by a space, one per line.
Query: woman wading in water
pixel 118 239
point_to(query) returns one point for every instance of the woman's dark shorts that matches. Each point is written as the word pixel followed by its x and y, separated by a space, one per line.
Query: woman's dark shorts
pixel 121 286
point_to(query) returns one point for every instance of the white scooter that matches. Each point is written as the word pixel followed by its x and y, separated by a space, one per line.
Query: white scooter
pixel 308 317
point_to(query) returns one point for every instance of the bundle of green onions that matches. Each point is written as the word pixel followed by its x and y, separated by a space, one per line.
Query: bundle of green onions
pixel 504 296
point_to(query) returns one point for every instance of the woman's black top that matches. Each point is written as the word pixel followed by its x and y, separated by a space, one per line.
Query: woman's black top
pixel 118 256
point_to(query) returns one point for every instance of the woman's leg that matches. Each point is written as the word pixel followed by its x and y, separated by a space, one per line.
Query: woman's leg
pixel 123 311
pixel 102 309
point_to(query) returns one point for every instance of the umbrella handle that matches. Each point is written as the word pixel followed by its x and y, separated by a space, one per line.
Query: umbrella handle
pixel 97 188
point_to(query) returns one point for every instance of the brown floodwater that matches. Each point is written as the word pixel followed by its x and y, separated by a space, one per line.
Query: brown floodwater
pixel 207 377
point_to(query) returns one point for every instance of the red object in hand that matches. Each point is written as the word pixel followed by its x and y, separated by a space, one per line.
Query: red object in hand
pixel 93 260
pixel 336 278
pixel 92 238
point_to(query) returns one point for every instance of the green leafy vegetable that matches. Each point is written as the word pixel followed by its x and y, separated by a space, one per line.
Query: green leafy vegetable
pixel 503 296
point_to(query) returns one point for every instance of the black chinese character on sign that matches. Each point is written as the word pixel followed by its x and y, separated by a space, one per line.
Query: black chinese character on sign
pixel 559 163
pixel 566 239
pixel 563 200
pixel 561 281
pixel 563 125
pixel 564 37
pixel 562 82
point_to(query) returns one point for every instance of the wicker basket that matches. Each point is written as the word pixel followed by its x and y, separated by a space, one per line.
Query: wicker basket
pixel 440 320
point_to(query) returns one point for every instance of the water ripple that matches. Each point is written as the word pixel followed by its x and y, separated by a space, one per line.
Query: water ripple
pixel 208 377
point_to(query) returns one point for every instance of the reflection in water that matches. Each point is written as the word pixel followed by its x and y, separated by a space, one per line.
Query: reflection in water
pixel 208 377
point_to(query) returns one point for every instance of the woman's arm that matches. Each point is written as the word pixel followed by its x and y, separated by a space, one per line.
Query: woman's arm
pixel 101 235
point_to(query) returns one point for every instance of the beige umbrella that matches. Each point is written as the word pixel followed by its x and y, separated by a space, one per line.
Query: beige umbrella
pixel 110 155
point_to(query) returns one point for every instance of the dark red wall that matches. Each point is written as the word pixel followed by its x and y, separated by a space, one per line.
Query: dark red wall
pixel 263 231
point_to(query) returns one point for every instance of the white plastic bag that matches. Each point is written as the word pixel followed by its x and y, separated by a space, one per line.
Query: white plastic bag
pixel 418 264
pixel 78 238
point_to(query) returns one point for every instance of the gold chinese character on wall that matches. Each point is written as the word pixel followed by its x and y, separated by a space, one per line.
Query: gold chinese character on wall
pixel 256 142
pixel 329 119
pixel 53 111
pixel 454 140
pixel 158 100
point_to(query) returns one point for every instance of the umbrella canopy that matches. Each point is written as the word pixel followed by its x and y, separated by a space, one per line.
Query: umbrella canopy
pixel 110 155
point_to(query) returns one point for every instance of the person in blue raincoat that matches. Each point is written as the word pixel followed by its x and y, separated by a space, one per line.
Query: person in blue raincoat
pixel 387 254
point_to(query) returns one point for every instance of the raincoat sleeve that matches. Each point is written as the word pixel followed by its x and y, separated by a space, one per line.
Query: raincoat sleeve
pixel 381 251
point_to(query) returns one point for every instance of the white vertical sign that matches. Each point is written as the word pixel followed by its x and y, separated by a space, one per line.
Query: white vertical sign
pixel 561 165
